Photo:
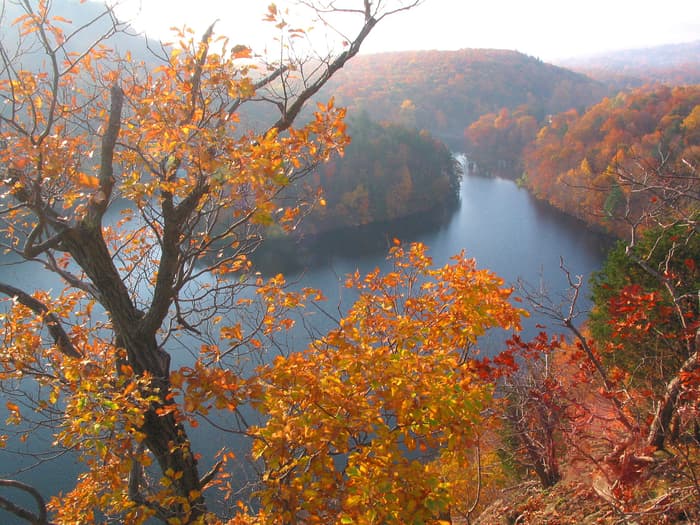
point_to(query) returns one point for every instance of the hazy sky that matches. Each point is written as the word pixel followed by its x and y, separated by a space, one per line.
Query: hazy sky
pixel 548 29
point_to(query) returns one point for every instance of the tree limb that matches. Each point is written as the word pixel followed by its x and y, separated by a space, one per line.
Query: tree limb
pixel 99 201
pixel 290 113
pixel 35 519
pixel 665 410
pixel 60 337
pixel 31 250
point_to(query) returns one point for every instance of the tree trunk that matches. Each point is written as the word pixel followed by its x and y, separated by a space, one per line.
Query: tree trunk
pixel 165 437
pixel 542 456
pixel 170 445
pixel 667 407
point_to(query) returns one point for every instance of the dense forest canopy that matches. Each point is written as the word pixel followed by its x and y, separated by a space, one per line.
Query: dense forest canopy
pixel 388 171
pixel 496 141
pixel 576 161
pixel 444 91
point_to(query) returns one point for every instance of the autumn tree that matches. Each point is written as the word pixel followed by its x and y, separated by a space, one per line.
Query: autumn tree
pixel 644 350
pixel 661 306
pixel 380 410
pixel 135 184
pixel 651 355
pixel 534 407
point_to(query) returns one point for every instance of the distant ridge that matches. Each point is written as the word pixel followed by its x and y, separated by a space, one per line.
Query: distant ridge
pixel 674 64
pixel 651 57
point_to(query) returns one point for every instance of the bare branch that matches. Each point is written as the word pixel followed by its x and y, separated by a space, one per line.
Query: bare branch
pixel 35 519
pixel 236 104
pixel 290 112
pixel 209 476
pixel 543 304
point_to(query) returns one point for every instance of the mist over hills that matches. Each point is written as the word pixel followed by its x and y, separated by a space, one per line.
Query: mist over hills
pixel 674 64
pixel 87 24
pixel 650 57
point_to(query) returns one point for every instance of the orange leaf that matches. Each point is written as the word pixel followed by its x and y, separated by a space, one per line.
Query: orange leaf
pixel 88 180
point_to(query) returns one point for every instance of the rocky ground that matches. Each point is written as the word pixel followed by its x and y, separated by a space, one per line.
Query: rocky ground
pixel 571 503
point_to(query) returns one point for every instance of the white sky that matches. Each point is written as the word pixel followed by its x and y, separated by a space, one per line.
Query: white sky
pixel 549 29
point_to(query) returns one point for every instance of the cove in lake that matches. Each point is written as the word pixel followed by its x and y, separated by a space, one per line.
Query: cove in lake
pixel 499 224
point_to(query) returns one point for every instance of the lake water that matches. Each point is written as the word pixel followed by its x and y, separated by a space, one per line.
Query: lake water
pixel 495 222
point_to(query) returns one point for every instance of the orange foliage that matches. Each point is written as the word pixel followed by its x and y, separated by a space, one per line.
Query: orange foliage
pixel 373 411
pixel 576 161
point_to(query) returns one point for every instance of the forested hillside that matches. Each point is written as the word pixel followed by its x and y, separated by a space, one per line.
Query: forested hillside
pixel 496 141
pixel 445 91
pixel 587 163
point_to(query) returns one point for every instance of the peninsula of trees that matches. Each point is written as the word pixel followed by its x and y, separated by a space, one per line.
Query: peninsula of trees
pixel 388 172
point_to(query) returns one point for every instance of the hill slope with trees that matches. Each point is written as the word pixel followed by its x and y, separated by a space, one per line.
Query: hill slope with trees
pixel 590 164
pixel 445 91
pixel 387 172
